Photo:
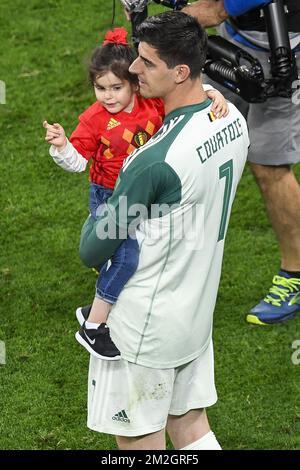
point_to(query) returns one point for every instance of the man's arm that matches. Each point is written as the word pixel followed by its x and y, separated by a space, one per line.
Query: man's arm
pixel 132 198
pixel 214 12
pixel 208 12
pixel 93 249
pixel 136 190
pixel 101 238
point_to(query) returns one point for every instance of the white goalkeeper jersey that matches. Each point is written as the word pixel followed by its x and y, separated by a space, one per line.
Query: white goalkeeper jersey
pixel 186 176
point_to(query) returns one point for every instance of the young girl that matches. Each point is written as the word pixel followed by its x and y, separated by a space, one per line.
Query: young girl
pixel 108 131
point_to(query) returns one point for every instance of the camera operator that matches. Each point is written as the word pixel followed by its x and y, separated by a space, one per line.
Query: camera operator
pixel 274 128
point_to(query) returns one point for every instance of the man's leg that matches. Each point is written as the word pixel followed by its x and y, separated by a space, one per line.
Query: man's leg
pixel 190 428
pixel 154 441
pixel 281 193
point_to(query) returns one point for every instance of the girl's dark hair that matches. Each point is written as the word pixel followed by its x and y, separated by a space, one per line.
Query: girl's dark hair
pixel 178 39
pixel 115 58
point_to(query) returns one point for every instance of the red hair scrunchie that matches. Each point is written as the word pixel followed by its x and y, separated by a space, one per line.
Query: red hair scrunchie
pixel 117 36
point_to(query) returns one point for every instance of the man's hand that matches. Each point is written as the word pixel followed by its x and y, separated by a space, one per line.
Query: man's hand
pixel 55 135
pixel 208 12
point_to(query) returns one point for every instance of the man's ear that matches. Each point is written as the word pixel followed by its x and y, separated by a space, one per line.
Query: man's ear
pixel 182 72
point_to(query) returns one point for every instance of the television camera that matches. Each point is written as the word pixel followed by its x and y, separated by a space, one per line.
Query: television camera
pixel 234 67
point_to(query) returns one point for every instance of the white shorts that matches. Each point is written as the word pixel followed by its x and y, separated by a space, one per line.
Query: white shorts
pixel 126 399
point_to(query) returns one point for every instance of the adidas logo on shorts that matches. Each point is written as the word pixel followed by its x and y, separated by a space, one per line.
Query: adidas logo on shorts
pixel 121 416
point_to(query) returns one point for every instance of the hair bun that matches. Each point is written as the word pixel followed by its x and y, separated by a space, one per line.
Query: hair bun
pixel 117 36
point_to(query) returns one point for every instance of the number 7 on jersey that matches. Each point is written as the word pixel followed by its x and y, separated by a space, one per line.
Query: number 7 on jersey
pixel 225 171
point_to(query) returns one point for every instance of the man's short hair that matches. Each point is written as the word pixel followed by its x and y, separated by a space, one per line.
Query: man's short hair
pixel 178 38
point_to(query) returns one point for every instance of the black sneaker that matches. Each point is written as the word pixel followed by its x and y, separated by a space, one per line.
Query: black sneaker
pixel 98 342
pixel 82 313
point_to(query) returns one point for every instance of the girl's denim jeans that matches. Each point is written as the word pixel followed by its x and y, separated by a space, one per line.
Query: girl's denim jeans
pixel 124 261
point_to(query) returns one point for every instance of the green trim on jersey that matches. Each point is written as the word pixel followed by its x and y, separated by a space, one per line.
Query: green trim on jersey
pixel 192 108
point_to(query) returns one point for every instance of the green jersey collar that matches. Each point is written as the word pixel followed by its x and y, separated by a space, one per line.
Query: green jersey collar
pixel 192 108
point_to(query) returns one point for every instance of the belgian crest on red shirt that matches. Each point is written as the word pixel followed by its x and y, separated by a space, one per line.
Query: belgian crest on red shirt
pixel 140 138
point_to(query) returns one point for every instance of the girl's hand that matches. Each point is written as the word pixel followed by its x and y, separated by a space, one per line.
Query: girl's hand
pixel 55 135
pixel 220 106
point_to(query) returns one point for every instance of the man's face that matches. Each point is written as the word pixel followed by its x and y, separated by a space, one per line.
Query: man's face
pixel 155 79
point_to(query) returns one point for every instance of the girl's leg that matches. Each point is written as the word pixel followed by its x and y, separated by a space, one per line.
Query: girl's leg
pixel 123 265
pixel 94 334
pixel 99 311
pixel 112 280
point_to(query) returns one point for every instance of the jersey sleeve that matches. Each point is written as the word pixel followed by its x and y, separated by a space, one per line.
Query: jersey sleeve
pixel 131 201
pixel 84 138
pixel 239 7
